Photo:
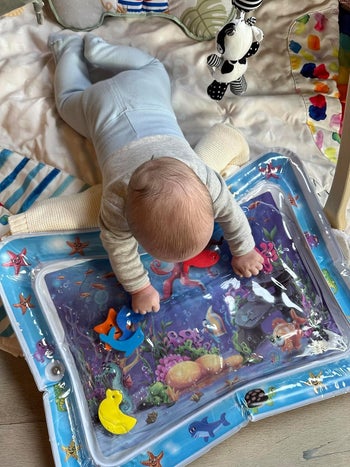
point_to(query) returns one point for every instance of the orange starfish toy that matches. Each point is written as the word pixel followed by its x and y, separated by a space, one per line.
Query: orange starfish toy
pixel 107 325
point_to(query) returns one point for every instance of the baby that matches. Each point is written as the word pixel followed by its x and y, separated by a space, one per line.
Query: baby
pixel 156 192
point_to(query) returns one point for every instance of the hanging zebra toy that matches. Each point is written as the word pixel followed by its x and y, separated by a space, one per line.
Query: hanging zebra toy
pixel 236 41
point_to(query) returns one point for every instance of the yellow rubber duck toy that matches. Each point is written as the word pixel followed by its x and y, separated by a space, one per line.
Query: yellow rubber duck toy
pixel 110 415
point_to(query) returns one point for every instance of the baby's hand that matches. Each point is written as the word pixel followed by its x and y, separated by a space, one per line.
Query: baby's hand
pixel 145 300
pixel 247 265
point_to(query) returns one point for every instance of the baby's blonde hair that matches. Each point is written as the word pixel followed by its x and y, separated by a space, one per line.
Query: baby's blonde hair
pixel 169 210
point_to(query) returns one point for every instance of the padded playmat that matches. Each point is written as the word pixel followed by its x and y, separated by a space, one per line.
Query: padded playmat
pixel 221 351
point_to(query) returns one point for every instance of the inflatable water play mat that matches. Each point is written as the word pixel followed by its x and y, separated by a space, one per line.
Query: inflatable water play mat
pixel 160 389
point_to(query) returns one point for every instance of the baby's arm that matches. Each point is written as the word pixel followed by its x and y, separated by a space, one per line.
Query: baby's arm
pixel 247 265
pixel 246 261
pixel 145 300
pixel 122 249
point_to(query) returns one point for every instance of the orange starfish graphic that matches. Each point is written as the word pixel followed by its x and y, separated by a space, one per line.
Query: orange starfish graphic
pixel 71 450
pixel 24 303
pixel 153 461
pixel 293 199
pixel 17 260
pixel 77 246
pixel 107 325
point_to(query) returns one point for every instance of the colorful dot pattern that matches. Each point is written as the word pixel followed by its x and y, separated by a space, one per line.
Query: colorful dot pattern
pixel 313 49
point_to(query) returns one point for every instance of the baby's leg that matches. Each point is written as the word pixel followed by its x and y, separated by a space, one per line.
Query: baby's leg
pixel 115 58
pixel 71 79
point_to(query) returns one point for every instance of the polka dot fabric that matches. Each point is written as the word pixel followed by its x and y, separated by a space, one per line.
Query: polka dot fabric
pixel 313 49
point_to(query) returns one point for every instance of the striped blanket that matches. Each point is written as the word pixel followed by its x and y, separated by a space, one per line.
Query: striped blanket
pixel 24 182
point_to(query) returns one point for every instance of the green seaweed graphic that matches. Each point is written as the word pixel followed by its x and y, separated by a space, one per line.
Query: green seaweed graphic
pixel 205 19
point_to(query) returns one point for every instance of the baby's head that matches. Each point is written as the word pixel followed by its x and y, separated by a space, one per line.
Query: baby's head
pixel 169 210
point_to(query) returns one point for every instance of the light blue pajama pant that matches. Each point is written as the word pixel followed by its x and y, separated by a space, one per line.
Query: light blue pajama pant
pixel 135 102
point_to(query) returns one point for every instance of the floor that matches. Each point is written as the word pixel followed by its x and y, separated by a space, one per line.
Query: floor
pixel 315 435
